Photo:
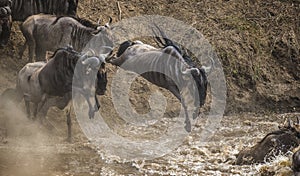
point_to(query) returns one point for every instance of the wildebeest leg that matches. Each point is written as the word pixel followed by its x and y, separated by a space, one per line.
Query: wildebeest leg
pixel 23 48
pixel 40 54
pixel 97 104
pixel 91 109
pixel 6 29
pixel 31 49
pixel 27 106
pixel 176 92
pixel 42 102
pixel 69 123
pixel 64 103
pixel 35 108
pixel 187 119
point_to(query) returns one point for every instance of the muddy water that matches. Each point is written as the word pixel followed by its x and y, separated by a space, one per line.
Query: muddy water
pixel 29 148
pixel 216 156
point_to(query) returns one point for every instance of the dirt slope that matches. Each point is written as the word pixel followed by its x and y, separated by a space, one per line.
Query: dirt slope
pixel 258 43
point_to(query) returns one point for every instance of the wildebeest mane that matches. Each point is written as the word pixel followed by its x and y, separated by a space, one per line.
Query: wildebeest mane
pixel 201 80
pixel 65 60
pixel 163 41
pixel 82 21
pixel 80 37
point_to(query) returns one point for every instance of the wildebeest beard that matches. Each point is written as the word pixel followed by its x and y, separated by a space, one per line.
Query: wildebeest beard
pixel 201 82
pixel 101 80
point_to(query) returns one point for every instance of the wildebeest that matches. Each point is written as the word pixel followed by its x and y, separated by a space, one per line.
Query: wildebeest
pixel 39 81
pixel 296 162
pixel 21 9
pixel 166 68
pixel 5 24
pixel 277 142
pixel 47 33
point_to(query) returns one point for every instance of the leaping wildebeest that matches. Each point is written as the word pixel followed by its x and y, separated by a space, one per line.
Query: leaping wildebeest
pixel 168 68
pixel 48 33
pixel 273 144
pixel 38 82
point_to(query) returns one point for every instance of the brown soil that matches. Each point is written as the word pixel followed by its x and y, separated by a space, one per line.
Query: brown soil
pixel 258 43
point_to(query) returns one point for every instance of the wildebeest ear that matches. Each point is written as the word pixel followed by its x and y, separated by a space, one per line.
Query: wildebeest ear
pixel 107 25
pixel 123 47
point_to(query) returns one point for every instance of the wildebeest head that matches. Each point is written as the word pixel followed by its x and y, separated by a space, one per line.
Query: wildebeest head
pixel 101 80
pixel 101 40
pixel 92 73
pixel 199 74
pixel 273 144
pixel 101 46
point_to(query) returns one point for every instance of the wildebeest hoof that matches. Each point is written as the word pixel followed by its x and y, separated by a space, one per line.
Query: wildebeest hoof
pixel 296 163
pixel 188 127
pixel 195 115
pixel 91 114
pixel 69 140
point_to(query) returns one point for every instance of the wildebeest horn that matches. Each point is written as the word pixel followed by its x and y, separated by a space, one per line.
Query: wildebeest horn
pixel 108 47
pixel 109 22
pixel 102 58
pixel 8 10
pixel 91 51
pixel 88 53
pixel 298 120
pixel 209 68
pixel 92 61
pixel 189 70
pixel 288 123
pixel 2 11
pixel 98 22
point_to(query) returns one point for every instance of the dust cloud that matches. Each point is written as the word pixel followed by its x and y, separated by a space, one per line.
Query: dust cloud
pixel 25 145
